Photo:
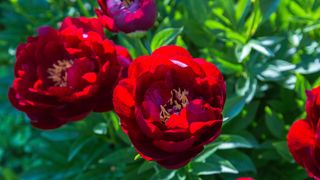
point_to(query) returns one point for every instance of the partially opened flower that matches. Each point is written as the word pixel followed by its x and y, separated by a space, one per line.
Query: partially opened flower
pixel 303 137
pixel 170 105
pixel 127 15
pixel 61 76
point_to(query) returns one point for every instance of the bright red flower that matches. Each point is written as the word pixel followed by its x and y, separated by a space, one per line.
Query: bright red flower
pixel 304 136
pixel 245 178
pixel 127 15
pixel 61 76
pixel 170 105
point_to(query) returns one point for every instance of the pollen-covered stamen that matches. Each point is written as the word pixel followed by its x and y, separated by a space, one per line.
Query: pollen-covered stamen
pixel 58 72
pixel 178 100
pixel 127 3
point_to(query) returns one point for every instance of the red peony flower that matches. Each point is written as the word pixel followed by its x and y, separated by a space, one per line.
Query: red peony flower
pixel 304 136
pixel 127 15
pixel 61 76
pixel 170 105
pixel 245 178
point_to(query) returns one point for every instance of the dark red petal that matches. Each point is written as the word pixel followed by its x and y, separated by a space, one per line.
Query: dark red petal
pixel 86 24
pixel 174 146
pixel 199 111
pixel 46 30
pixel 178 121
pixel 43 120
pixel 176 134
pixel 59 91
pixel 313 106
pixel 90 77
pixel 139 66
pixel 147 126
pixel 158 93
pixel 211 90
pixel 151 111
pixel 143 144
pixel 209 68
pixel 76 72
pixel 123 101
pixel 73 111
pixel 179 160
pixel 106 21
pixel 197 128
pixel 87 92
pixel 301 141
pixel 171 51
pixel 124 59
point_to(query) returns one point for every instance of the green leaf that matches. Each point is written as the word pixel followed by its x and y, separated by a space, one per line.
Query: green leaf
pixel 282 149
pixel 282 65
pixel 268 7
pixel 233 106
pixel 9 174
pixel 295 38
pixel 200 168
pixel 180 42
pixel 276 70
pixel 164 174
pixel 228 67
pixel 270 40
pixel 247 116
pixel 302 85
pixel 165 37
pixel 120 155
pixel 242 11
pixel 233 141
pixel 199 9
pixel 240 161
pixel 145 166
pixel 77 146
pixel 274 123
pixel 207 152
pixel 308 65
pixel 260 48
pixel 242 52
pixel 213 165
pixel 316 83
pixel 242 86
pixel 60 134
pixel 297 9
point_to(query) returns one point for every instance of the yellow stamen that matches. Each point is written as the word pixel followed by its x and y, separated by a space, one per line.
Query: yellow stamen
pixel 175 104
pixel 58 73
pixel 127 3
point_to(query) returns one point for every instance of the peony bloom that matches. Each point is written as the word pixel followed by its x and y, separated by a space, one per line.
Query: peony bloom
pixel 170 105
pixel 303 137
pixel 245 178
pixel 62 75
pixel 127 15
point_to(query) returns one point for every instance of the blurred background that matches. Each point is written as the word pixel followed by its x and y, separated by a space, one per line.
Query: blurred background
pixel 268 51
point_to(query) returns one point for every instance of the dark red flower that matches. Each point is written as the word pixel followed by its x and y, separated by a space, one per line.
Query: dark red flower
pixel 304 136
pixel 61 76
pixel 86 24
pixel 127 15
pixel 170 105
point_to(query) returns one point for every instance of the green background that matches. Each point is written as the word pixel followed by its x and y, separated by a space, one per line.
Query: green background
pixel 268 51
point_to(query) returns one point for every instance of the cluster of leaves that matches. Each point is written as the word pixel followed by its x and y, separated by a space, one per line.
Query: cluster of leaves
pixel 268 51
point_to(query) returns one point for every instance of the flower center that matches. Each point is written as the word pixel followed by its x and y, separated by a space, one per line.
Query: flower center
pixel 58 72
pixel 177 101
pixel 127 3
